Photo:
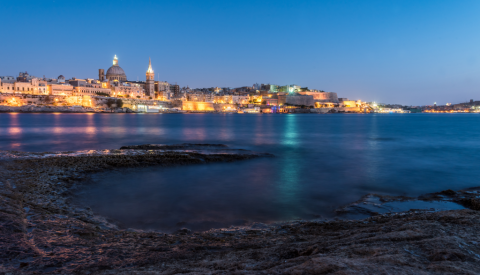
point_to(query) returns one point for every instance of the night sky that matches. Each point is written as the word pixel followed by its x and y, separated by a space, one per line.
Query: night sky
pixel 407 52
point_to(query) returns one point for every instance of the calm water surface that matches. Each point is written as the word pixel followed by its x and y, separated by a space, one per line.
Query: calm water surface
pixel 323 161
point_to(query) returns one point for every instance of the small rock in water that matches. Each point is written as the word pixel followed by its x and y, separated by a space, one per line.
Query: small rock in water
pixel 448 192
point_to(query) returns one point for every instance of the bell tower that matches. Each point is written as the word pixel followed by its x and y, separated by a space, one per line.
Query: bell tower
pixel 101 74
pixel 150 84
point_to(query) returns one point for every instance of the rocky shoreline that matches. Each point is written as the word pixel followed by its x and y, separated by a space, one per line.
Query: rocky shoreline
pixel 43 232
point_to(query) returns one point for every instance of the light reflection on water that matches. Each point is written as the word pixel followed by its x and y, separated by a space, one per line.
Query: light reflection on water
pixel 323 161
pixel 288 187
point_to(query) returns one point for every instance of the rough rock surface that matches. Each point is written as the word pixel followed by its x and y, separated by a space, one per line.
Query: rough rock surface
pixel 41 232
pixel 172 146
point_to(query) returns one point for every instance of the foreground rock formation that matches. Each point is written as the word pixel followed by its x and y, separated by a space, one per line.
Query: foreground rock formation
pixel 42 232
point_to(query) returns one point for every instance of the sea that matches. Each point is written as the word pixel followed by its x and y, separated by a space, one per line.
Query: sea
pixel 322 162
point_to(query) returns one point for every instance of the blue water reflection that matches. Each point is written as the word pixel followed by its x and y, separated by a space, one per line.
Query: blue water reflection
pixel 323 161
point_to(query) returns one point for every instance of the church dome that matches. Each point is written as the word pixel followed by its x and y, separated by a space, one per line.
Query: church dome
pixel 116 72
pixel 61 79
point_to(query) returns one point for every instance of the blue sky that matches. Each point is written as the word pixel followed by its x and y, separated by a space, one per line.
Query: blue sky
pixel 408 52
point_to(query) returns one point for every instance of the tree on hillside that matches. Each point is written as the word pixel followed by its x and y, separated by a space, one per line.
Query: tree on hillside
pixel 110 102
pixel 119 103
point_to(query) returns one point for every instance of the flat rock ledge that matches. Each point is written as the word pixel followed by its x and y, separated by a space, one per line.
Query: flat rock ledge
pixel 183 146
pixel 41 232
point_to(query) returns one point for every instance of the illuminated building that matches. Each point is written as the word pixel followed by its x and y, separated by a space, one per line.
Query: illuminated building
pixel 132 90
pixel 5 87
pixel 162 89
pixel 255 99
pixel 7 79
pixel 175 89
pixel 32 87
pixel 24 77
pixel 344 102
pixel 162 86
pixel 60 89
pixel 269 88
pixel 232 99
pixel 89 87
pixel 289 88
pixel 271 101
pixel 150 83
pixel 321 96
pixel 115 81
pixel 197 106
pixel 91 91
pixel 114 73
pixel 201 97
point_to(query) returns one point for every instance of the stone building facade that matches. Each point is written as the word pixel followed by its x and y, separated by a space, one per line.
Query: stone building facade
pixel 296 100
pixel 91 91
pixel 126 90
pixel 33 87
pixel 60 89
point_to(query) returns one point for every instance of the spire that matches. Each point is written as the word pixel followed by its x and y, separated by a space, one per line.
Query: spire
pixel 115 60
pixel 150 70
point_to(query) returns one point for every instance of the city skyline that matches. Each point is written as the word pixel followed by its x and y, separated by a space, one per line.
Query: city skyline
pixel 405 52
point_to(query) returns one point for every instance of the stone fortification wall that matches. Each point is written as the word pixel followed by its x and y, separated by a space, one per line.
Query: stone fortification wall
pixel 28 99
pixel 297 100
pixel 197 106
pixel 177 103
pixel 206 106
pixel 89 101
pixel 348 109
pixel 322 97
pixel 131 102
